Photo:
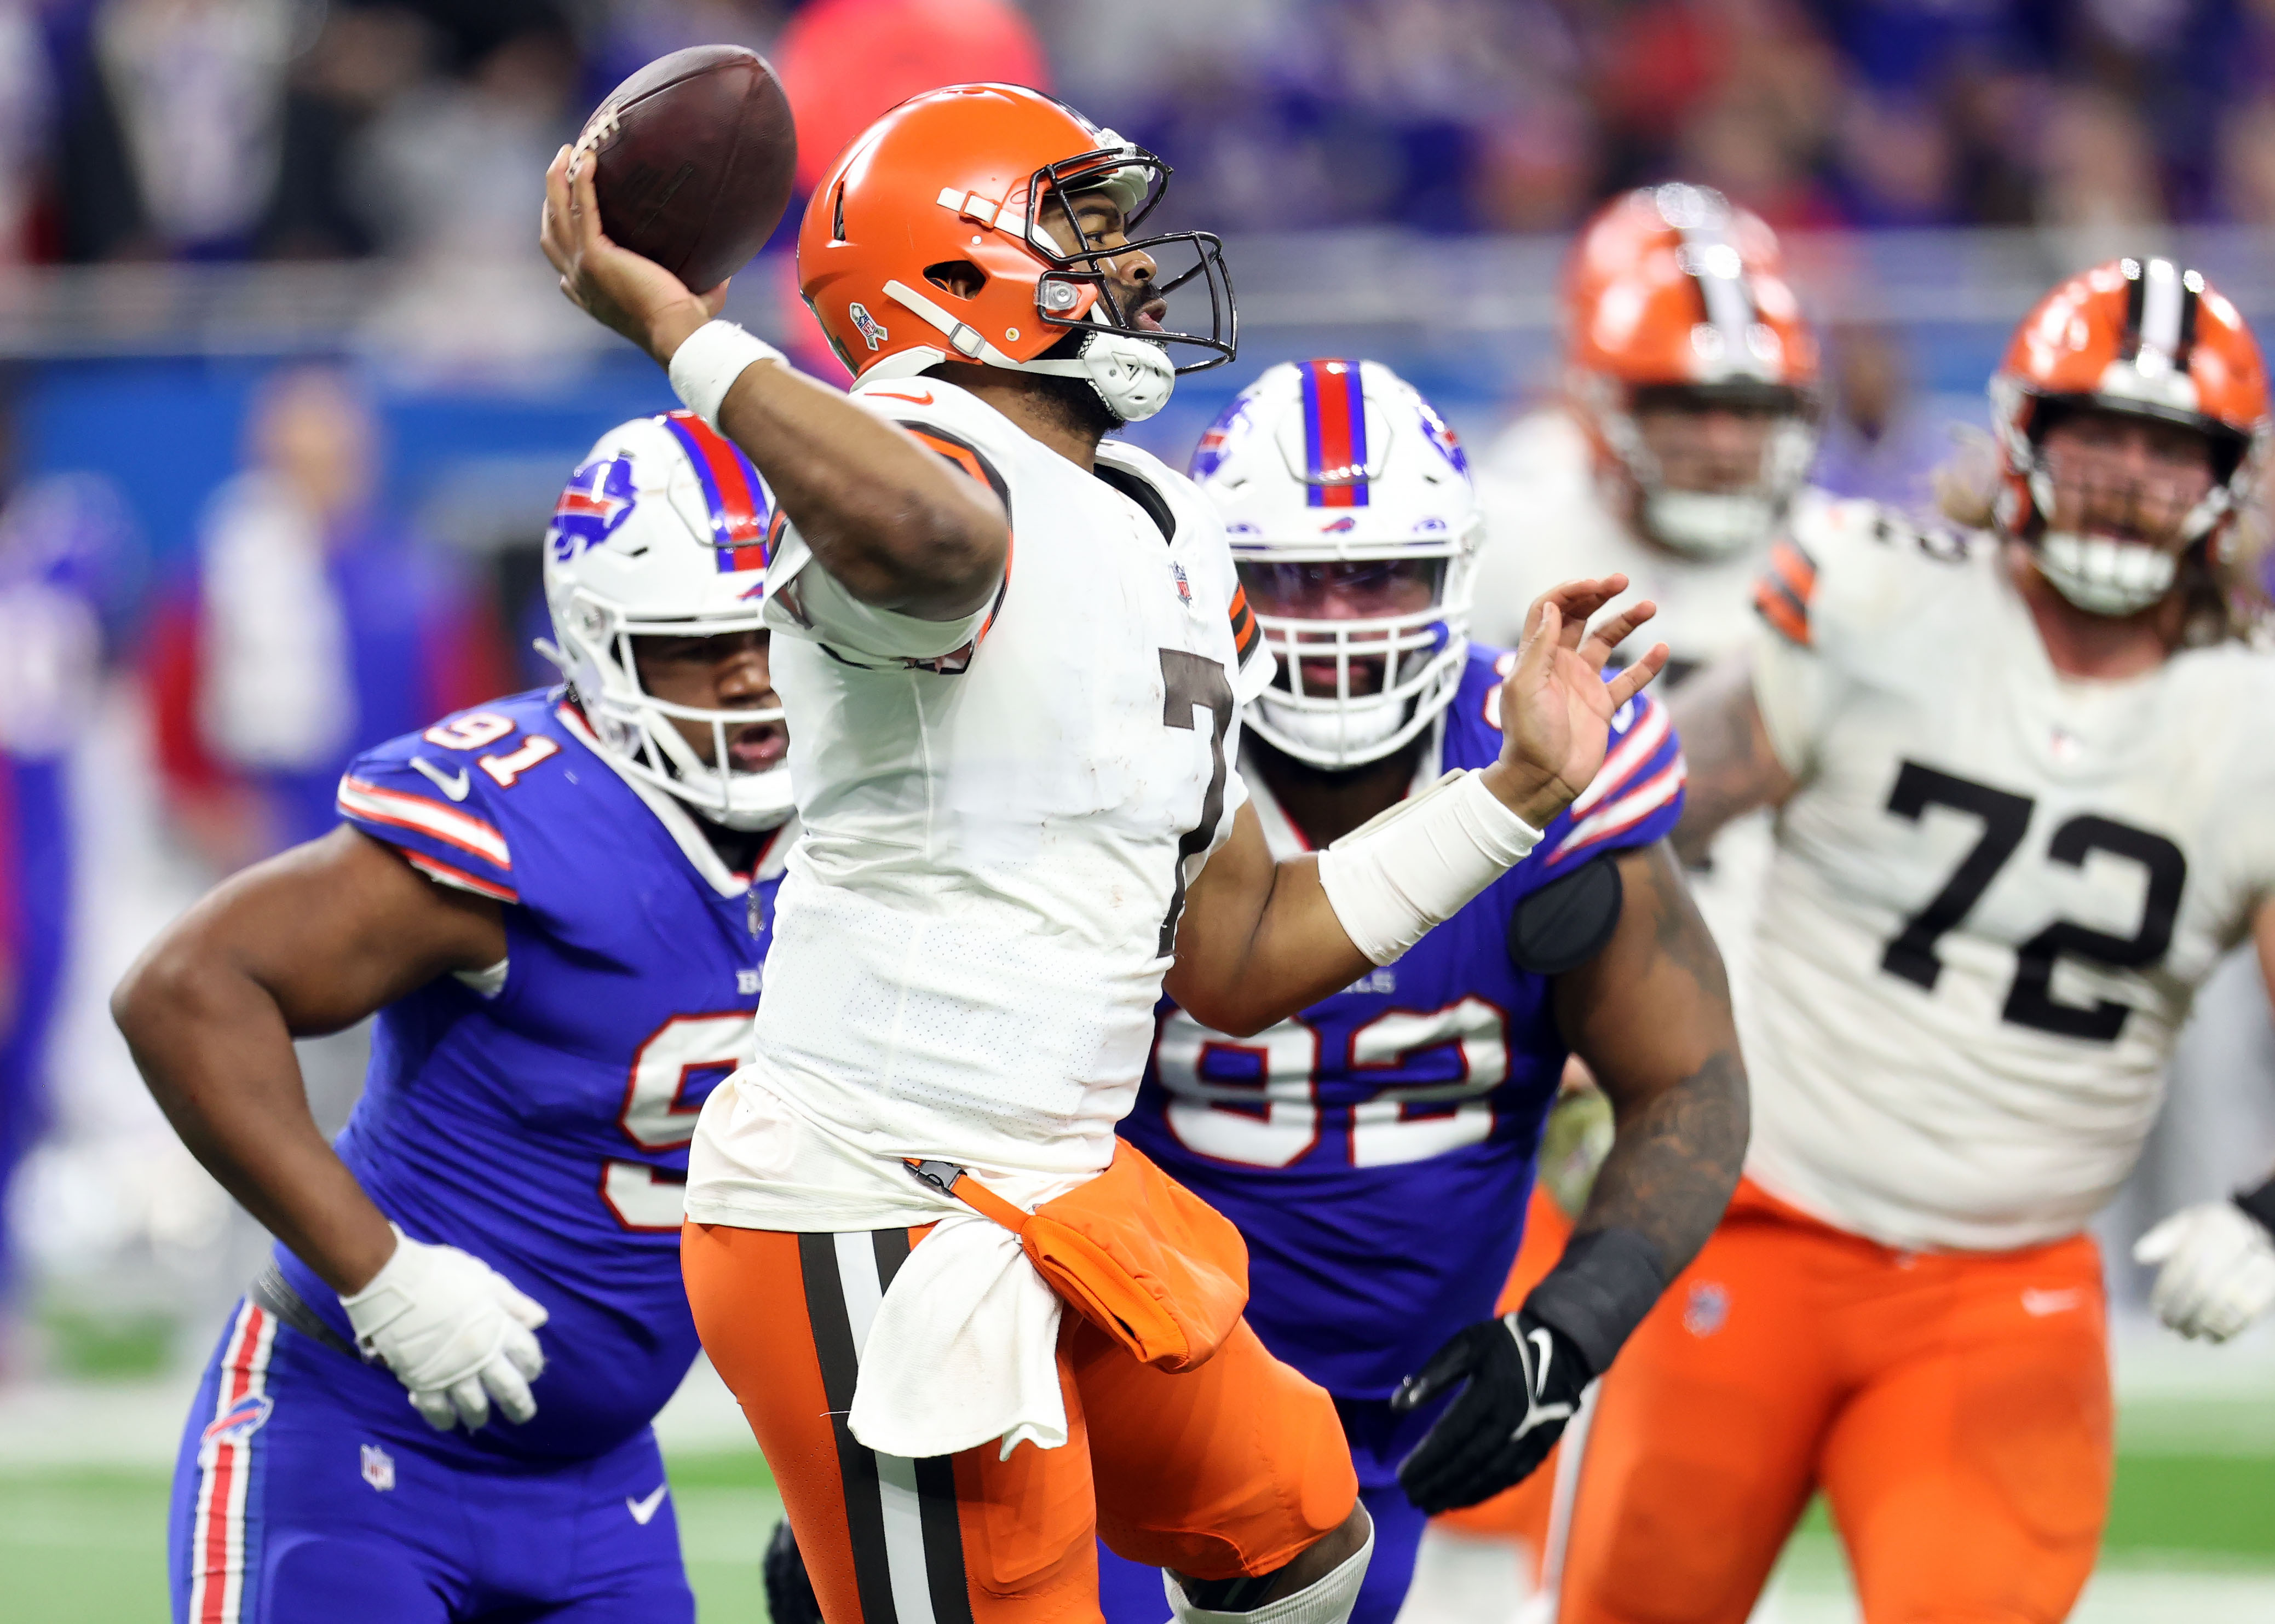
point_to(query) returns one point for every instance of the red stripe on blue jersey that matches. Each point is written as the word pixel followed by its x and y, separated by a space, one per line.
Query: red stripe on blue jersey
pixel 733 494
pixel 1643 775
pixel 1335 433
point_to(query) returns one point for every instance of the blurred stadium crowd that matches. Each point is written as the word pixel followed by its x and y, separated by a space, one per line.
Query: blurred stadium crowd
pixel 294 129
pixel 223 575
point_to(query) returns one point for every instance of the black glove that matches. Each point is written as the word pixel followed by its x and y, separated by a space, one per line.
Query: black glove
pixel 789 1592
pixel 1524 1378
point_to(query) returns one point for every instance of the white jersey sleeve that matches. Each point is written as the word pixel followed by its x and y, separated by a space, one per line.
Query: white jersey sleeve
pixel 1991 897
pixel 804 600
pixel 1825 594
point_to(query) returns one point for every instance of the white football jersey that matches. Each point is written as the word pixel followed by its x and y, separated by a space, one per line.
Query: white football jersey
pixel 1546 522
pixel 1000 818
pixel 1994 895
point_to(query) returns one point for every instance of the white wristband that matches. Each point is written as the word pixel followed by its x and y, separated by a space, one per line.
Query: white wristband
pixel 1393 879
pixel 707 362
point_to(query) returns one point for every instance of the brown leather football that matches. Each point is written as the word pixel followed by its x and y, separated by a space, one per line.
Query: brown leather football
pixel 696 153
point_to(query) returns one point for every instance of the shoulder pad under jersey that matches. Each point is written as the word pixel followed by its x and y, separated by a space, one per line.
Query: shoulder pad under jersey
pixel 440 797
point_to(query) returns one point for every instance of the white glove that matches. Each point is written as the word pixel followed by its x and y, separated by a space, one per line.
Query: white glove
pixel 454 1332
pixel 2218 1273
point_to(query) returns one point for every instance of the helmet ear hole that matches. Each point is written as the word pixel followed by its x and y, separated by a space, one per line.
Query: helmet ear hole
pixel 960 277
pixel 837 216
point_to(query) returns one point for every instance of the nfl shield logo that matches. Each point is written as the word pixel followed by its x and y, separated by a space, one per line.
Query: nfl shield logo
pixel 378 1468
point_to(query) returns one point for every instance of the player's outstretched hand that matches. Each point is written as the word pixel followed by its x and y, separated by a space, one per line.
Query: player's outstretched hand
pixel 1524 1378
pixel 617 288
pixel 2218 1272
pixel 455 1331
pixel 1556 709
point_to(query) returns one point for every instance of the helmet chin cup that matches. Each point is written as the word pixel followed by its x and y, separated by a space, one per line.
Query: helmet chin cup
pixel 2104 576
pixel 1353 734
pixel 1132 376
pixel 1708 524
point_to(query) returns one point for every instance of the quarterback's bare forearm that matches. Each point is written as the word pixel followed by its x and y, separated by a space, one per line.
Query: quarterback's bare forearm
pixel 1733 767
pixel 895 525
pixel 1258 939
pixel 1651 1016
pixel 887 515
pixel 307 942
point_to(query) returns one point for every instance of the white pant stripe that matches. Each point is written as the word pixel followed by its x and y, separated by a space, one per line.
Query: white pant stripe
pixel 226 1471
pixel 896 1475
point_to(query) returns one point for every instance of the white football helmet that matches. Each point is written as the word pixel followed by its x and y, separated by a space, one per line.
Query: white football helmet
pixel 661 532
pixel 1327 462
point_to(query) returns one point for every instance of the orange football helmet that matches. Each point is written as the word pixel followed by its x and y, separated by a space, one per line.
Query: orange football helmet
pixel 2144 338
pixel 1673 296
pixel 957 181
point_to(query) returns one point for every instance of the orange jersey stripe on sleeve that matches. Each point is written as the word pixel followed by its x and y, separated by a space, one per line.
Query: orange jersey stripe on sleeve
pixel 1244 631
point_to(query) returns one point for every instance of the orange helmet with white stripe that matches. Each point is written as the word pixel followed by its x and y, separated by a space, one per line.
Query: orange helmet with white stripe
pixel 1674 300
pixel 2136 337
pixel 948 231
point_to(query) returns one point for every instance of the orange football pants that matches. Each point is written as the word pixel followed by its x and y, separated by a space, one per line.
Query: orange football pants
pixel 1232 1468
pixel 1953 1407
pixel 1521 1513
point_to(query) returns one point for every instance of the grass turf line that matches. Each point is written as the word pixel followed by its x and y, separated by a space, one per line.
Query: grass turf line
pixel 87 1546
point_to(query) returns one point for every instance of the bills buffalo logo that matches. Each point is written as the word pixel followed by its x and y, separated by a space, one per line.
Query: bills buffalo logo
pixel 1220 440
pixel 240 1421
pixel 1346 523
pixel 1450 445
pixel 871 334
pixel 598 498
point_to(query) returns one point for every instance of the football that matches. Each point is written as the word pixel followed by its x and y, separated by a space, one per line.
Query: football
pixel 695 157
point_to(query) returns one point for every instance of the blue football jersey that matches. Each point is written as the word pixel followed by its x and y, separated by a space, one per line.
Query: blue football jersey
pixel 1377 1149
pixel 539 1118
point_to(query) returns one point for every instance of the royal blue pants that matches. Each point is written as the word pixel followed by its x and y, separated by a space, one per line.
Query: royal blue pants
pixel 308 1493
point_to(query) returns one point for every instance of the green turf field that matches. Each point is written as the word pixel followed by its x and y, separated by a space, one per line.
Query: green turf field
pixel 86 1546
pixel 83 1546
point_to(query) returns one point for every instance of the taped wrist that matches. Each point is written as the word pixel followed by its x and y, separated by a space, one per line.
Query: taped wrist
pixel 1394 877
pixel 1599 1291
pixel 2260 1204
pixel 707 362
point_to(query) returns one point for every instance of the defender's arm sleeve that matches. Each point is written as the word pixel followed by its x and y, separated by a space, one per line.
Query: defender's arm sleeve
pixel 1635 800
pixel 430 801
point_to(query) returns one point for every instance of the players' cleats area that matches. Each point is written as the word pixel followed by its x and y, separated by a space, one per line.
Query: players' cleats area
pixel 454 1332
pixel 2218 1270
pixel 1524 1381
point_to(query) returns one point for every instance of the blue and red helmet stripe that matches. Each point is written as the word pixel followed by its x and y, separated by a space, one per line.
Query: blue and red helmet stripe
pixel 732 492
pixel 1335 433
